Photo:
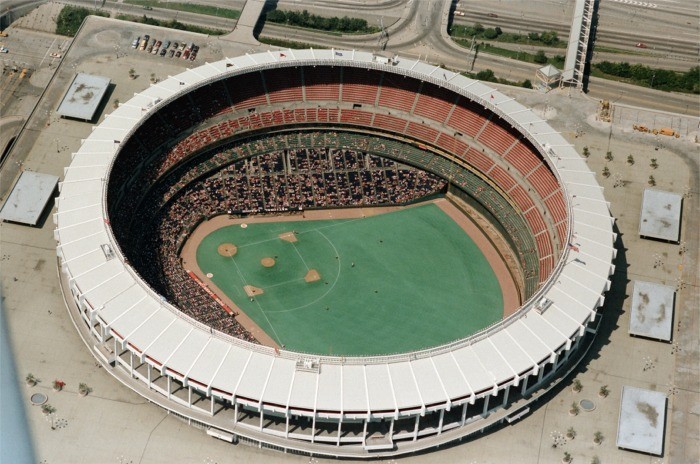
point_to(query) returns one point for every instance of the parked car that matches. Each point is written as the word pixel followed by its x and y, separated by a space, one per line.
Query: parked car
pixel 185 54
pixel 195 48
pixel 4 50
pixel 193 55
pixel 163 51
pixel 149 49
pixel 182 46
pixel 166 44
pixel 175 45
pixel 55 55
pixel 135 43
pixel 172 53
pixel 177 55
pixel 144 43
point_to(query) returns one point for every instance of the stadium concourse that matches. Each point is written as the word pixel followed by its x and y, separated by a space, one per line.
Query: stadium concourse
pixel 495 155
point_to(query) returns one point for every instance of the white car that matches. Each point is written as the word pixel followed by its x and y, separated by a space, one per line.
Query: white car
pixel 4 50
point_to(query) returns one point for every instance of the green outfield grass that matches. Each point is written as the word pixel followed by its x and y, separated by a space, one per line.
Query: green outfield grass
pixel 398 281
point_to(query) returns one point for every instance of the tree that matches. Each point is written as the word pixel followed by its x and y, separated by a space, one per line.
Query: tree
pixel 490 33
pixel 603 392
pixel 586 152
pixel 609 156
pixel 527 84
pixel 567 457
pixel 571 433
pixel 630 160
pixel 116 103
pixel 486 75
pixel 577 385
pixel 652 181
pixel 540 57
pixel 132 73
pixel 653 163
pixel 606 172
pixel 595 460
pixel 597 437
pixel 574 409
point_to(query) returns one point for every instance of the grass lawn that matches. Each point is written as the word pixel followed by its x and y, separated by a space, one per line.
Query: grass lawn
pixel 395 282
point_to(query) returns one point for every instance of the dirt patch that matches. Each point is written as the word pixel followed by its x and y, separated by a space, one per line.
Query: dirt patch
pixel 312 276
pixel 267 261
pixel 288 237
pixel 252 291
pixel 227 249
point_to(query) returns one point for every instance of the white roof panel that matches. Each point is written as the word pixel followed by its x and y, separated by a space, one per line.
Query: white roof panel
pixel 651 312
pixel 28 198
pixel 661 215
pixel 642 420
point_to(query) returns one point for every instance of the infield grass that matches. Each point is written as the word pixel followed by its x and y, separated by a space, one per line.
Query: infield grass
pixel 394 282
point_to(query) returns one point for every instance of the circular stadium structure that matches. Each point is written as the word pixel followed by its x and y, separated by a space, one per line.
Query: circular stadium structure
pixel 173 156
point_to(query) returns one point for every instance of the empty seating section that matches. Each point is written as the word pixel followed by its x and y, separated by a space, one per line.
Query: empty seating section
pixel 561 232
pixel 434 103
pixel 322 84
pixel 451 145
pixel 521 198
pixel 398 92
pixel 359 86
pixel 502 178
pixel 535 221
pixel 246 92
pixel 496 137
pixel 390 123
pixel 283 85
pixel 544 244
pixel 543 181
pixel 479 160
pixel 467 118
pixel 546 268
pixel 422 132
pixel 556 206
pixel 356 117
pixel 523 159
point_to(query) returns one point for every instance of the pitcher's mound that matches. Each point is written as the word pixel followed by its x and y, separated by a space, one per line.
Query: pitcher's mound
pixel 288 237
pixel 252 291
pixel 227 249
pixel 267 262
pixel 312 276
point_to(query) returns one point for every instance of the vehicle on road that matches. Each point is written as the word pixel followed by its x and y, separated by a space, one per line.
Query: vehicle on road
pixel 641 45
pixel 55 55
pixel 4 50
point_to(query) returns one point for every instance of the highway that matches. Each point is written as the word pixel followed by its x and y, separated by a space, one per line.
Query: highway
pixel 421 32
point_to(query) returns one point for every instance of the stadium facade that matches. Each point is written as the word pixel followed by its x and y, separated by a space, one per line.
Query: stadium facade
pixel 501 159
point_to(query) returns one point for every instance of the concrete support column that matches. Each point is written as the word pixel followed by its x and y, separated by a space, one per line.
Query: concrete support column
pixel 391 429
pixel 415 428
pixel 235 411
pixel 131 363
pixel 262 417
pixel 364 431
pixel 505 397
pixel 189 396
pixel 313 428
pixel 148 374
pixel 522 391
pixel 486 404
pixel 442 417
pixel 286 426
pixel 211 405
pixel 340 425
pixel 169 387
pixel 464 414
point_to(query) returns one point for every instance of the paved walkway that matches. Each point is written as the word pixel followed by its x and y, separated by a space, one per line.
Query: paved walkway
pixel 244 32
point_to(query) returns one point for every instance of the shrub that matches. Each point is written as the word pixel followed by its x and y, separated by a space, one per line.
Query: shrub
pixel 540 57
pixel 606 172
pixel 609 156
pixel 70 18
pixel 630 160
pixel 586 152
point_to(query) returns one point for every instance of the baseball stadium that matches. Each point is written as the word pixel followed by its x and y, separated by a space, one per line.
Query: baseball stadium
pixel 333 252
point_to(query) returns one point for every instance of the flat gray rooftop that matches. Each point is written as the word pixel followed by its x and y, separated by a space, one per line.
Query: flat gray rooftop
pixel 661 215
pixel 28 198
pixel 642 420
pixel 652 310
pixel 83 96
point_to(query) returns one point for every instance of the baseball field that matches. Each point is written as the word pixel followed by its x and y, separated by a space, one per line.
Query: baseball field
pixel 399 281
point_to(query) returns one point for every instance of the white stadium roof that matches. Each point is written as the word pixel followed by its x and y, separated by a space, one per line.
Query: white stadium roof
pixel 154 328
